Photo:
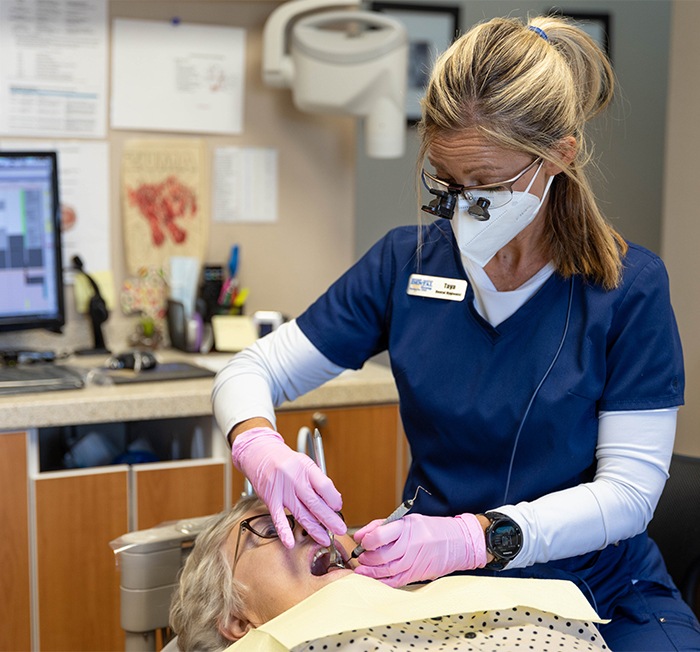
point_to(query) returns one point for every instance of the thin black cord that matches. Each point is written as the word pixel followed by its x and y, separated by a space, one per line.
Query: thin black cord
pixel 590 592
pixel 537 389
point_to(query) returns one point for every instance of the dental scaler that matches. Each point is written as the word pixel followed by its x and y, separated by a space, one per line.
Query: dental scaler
pixel 398 513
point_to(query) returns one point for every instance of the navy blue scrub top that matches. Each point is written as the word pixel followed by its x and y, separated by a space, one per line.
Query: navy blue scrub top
pixel 466 388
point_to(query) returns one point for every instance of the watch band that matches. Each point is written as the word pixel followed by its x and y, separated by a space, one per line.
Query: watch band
pixel 504 539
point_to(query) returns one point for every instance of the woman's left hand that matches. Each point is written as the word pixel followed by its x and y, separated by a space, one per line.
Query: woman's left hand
pixel 416 548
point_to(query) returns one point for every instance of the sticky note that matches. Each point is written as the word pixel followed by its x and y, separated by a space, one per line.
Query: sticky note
pixel 233 332
pixel 82 289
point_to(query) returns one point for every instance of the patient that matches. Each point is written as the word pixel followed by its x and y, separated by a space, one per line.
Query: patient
pixel 240 577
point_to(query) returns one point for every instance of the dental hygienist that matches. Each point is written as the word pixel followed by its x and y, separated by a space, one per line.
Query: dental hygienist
pixel 535 351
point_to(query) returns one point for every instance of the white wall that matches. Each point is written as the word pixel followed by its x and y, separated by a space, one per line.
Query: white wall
pixel 681 207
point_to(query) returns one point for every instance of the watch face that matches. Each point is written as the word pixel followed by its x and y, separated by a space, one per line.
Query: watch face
pixel 506 539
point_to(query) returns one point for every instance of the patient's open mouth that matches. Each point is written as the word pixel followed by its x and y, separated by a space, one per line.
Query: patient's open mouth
pixel 320 564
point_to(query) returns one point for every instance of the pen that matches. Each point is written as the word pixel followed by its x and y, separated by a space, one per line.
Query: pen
pixel 225 293
pixel 240 298
pixel 233 261
pixel 228 293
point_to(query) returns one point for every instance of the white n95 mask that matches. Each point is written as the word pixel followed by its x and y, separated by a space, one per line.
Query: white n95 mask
pixel 479 240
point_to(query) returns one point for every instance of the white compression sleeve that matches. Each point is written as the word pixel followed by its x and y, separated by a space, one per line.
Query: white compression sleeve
pixel 279 367
pixel 634 452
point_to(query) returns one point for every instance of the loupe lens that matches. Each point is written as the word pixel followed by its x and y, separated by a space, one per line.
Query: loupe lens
pixel 496 197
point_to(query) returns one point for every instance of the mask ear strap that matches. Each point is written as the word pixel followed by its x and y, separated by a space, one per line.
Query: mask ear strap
pixel 546 190
pixel 534 176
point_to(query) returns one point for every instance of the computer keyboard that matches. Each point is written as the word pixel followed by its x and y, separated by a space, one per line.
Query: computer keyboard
pixel 40 377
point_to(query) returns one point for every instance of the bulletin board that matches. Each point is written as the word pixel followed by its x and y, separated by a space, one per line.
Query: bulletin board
pixel 304 241
pixel 285 263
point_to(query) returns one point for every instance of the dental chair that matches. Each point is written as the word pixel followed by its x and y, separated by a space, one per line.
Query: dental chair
pixel 676 527
pixel 150 561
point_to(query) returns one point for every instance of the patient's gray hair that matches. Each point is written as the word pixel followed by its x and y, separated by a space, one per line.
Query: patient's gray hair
pixel 207 593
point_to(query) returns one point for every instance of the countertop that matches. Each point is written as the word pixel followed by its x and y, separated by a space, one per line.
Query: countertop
pixel 373 384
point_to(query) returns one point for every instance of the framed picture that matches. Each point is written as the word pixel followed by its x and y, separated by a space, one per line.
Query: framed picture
pixel 431 30
pixel 596 25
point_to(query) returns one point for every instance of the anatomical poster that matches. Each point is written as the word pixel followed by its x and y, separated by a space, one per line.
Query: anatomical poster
pixel 164 201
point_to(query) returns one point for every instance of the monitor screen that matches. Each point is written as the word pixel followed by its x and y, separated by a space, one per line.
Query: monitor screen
pixel 31 265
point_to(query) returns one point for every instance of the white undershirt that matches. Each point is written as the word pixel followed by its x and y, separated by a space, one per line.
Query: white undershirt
pixel 494 306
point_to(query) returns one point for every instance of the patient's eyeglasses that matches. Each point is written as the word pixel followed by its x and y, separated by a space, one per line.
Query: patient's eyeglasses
pixel 263 528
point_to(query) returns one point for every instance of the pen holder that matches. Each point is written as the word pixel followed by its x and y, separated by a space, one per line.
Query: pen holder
pixel 211 290
pixel 231 310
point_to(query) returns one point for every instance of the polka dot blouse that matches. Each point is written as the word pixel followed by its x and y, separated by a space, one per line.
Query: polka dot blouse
pixel 517 629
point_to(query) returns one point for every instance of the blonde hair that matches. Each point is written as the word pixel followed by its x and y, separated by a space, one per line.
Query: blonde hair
pixel 527 93
pixel 207 594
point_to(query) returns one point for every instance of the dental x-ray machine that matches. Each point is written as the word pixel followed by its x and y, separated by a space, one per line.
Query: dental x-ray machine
pixel 350 62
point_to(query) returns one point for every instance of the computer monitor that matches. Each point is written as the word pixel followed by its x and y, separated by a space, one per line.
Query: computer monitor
pixel 31 265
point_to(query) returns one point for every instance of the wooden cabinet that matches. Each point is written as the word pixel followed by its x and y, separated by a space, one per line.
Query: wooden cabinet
pixel 366 456
pixel 15 613
pixel 59 582
pixel 77 514
pixel 59 585
pixel 171 492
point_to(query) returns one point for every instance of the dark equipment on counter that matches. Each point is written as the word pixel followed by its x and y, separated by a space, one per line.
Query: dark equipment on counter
pixel 98 313
pixel 136 360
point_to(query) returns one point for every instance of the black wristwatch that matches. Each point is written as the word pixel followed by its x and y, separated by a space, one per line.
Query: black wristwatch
pixel 504 539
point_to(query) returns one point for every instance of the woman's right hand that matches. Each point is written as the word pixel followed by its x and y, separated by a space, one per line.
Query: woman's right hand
pixel 283 478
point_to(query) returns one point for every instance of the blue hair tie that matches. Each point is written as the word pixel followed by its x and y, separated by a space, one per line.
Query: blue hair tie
pixel 538 31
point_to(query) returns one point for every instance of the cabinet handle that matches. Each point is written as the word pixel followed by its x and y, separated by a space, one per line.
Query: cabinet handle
pixel 319 419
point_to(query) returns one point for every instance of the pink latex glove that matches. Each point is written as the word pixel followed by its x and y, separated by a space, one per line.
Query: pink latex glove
pixel 416 548
pixel 283 478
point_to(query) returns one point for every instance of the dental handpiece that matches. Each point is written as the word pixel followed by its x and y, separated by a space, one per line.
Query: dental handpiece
pixel 398 513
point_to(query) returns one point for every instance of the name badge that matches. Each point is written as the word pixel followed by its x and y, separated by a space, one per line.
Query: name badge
pixel 437 287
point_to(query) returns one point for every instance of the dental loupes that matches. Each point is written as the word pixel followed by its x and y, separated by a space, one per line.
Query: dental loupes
pixel 398 513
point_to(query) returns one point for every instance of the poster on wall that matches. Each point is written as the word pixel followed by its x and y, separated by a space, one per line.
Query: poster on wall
pixel 164 190
pixel 171 76
pixel 53 68
pixel 245 185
